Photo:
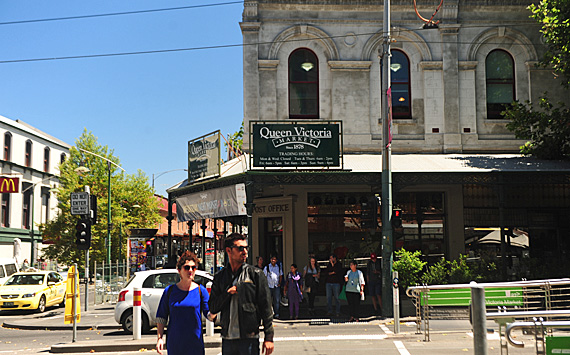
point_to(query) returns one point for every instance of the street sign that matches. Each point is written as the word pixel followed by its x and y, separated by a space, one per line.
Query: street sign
pixel 80 203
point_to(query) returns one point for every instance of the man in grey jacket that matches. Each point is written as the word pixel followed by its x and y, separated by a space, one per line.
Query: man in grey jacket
pixel 241 294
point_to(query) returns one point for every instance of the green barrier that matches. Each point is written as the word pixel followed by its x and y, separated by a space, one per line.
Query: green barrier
pixel 461 297
pixel 557 345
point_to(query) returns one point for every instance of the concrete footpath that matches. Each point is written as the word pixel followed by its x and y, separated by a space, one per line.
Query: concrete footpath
pixel 446 335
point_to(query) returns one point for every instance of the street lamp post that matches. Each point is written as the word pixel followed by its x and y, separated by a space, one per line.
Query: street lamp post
pixel 109 224
pixel 162 173
pixel 32 236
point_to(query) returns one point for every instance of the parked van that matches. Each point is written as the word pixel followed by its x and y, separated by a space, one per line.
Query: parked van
pixel 7 268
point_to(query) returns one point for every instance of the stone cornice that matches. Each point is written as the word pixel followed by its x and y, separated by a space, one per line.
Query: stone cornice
pixel 250 26
pixel 267 64
pixel 434 65
pixel 468 65
pixel 349 65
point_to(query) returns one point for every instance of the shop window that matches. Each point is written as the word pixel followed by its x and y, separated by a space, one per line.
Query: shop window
pixel 7 146
pixel 46 159
pixel 400 84
pixel 28 154
pixel 500 82
pixel 340 224
pixel 423 224
pixel 303 84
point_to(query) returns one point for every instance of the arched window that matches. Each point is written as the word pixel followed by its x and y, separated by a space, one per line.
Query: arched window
pixel 303 84
pixel 400 84
pixel 46 159
pixel 7 146
pixel 28 156
pixel 500 80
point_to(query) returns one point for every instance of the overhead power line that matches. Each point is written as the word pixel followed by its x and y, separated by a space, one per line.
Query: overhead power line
pixel 120 13
pixel 212 47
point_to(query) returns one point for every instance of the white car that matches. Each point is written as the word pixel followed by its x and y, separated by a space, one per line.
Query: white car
pixel 152 284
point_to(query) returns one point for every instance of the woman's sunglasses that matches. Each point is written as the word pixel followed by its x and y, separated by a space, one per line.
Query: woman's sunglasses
pixel 188 267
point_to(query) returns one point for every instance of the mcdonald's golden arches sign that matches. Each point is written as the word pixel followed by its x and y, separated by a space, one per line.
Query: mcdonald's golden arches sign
pixel 9 184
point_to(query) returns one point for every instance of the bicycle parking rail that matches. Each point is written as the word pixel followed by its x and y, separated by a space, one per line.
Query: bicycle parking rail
pixel 533 295
pixel 539 326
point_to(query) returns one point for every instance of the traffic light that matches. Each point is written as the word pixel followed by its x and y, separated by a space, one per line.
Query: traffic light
pixel 83 234
pixel 397 218
pixel 369 213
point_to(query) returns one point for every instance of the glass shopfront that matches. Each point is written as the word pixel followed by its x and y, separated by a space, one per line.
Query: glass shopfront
pixel 347 225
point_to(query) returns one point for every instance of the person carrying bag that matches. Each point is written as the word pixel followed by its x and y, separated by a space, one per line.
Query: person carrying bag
pixel 354 290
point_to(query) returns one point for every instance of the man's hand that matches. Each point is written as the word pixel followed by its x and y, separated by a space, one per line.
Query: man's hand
pixel 232 290
pixel 268 347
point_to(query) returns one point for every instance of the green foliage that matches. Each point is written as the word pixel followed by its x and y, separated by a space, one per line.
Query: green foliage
pixel 235 140
pixel 459 271
pixel 133 204
pixel 409 267
pixel 547 128
pixel 436 274
pixel 554 16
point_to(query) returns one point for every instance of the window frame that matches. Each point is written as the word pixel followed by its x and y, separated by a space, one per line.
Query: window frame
pixel 494 114
pixel 47 153
pixel 408 113
pixel 5 213
pixel 7 146
pixel 26 205
pixel 28 154
pixel 308 83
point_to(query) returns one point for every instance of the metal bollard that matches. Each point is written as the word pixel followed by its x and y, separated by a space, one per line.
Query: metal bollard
pixel 396 295
pixel 137 319
pixel 479 317
pixel 209 324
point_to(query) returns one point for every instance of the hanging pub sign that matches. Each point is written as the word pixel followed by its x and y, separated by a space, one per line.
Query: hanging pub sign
pixel 204 157
pixel 296 145
pixel 214 203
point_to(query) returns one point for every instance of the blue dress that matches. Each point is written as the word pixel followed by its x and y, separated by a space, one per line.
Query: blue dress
pixel 185 323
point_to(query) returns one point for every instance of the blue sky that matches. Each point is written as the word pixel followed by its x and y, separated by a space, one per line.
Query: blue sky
pixel 145 107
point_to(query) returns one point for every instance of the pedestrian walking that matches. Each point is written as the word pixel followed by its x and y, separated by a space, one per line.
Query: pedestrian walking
pixel 354 291
pixel 181 306
pixel 334 280
pixel 311 282
pixel 259 262
pixel 274 274
pixel 374 282
pixel 241 295
pixel 294 291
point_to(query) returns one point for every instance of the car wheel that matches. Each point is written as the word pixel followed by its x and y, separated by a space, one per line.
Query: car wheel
pixel 127 322
pixel 62 303
pixel 42 304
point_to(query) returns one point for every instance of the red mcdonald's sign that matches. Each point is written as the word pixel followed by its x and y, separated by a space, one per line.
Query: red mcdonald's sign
pixel 9 184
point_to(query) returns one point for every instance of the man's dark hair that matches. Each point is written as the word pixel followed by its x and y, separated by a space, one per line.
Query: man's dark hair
pixel 232 238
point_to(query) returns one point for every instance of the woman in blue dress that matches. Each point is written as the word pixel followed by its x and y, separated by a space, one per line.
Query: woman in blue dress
pixel 180 306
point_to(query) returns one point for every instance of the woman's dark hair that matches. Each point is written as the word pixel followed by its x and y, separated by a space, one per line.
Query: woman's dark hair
pixel 232 238
pixel 294 265
pixel 187 256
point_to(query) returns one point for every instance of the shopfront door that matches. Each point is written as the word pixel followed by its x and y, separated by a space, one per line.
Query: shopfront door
pixel 271 242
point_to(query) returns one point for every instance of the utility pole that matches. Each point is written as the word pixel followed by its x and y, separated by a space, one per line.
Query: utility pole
pixel 387 232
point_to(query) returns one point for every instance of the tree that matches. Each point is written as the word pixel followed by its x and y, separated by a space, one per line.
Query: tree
pixel 554 16
pixel 133 204
pixel 235 143
pixel 546 127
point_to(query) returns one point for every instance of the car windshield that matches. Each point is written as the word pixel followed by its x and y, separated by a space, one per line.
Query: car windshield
pixel 30 279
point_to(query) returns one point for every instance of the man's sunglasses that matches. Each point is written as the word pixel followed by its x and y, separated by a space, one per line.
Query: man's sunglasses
pixel 188 267
pixel 240 248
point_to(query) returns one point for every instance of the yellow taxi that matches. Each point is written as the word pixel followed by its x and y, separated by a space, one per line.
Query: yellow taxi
pixel 34 290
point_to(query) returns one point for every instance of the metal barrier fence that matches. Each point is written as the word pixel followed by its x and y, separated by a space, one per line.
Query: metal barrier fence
pixel 547 295
pixel 109 279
